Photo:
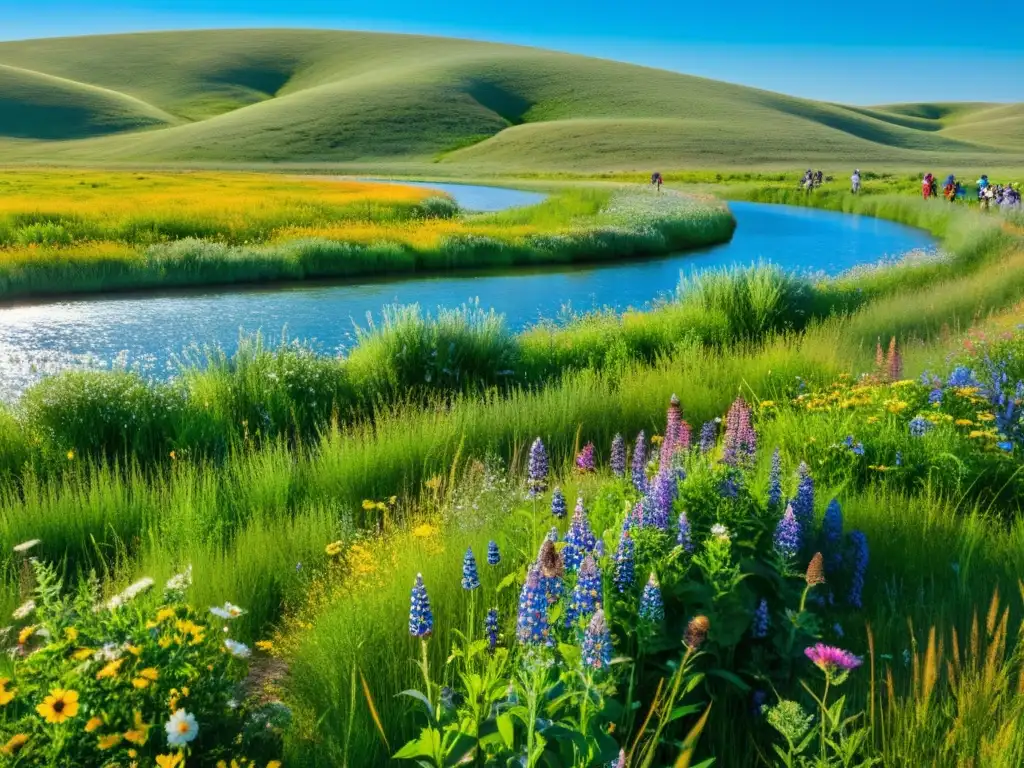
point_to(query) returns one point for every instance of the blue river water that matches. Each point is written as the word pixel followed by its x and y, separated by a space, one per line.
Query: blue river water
pixel 148 330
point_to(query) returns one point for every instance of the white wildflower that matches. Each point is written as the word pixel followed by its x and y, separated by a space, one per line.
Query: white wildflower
pixel 720 532
pixel 24 610
pixel 181 728
pixel 227 611
pixel 25 546
pixel 180 582
pixel 237 649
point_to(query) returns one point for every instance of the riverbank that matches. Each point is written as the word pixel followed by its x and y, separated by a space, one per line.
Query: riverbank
pixel 184 230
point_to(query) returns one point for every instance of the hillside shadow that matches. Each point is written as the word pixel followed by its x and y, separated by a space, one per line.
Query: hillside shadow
pixel 508 105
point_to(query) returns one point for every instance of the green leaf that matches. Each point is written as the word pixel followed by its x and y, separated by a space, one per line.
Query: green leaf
pixel 420 697
pixel 730 677
pixel 506 582
pixel 506 729
pixel 683 711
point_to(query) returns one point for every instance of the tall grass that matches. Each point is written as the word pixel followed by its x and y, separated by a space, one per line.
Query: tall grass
pixel 59 253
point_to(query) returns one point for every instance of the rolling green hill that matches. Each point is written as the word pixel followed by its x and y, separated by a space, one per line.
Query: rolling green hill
pixel 297 96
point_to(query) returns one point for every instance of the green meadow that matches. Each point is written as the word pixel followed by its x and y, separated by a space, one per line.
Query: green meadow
pixel 437 106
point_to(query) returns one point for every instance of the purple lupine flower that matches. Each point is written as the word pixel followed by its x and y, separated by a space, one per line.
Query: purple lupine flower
pixel 586 595
pixel 552 570
pixel 580 539
pixel 493 553
pixel 962 376
pixel 596 650
pixel 803 504
pixel 532 622
pixel 652 607
pixel 775 481
pixel 787 535
pixel 832 535
pixel 683 538
pixel 421 619
pixel 673 419
pixel 730 486
pixel 537 469
pixel 599 548
pixel 491 629
pixel 585 460
pixel 625 557
pixel 470 576
pixel 640 462
pixel 762 620
pixel 740 445
pixel 708 436
pixel 859 559
pixel 558 505
pixel 663 496
pixel 685 436
pixel 758 700
pixel 618 457
pixel 828 658
pixel 919 426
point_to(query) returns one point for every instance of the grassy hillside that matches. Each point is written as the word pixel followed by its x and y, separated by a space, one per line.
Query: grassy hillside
pixel 251 96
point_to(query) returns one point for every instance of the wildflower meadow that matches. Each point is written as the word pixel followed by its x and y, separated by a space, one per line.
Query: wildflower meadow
pixel 773 520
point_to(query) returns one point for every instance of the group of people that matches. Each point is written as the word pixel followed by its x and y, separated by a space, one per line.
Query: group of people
pixel 1003 195
pixel 989 194
pixel 812 179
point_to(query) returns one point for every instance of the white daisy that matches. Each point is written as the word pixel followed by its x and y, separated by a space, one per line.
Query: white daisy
pixel 181 728
pixel 227 611
pixel 25 546
pixel 241 650
pixel 719 531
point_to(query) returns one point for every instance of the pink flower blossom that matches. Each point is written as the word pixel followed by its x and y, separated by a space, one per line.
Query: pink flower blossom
pixel 828 658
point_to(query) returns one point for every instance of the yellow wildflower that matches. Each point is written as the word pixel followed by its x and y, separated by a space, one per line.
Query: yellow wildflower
pixel 164 614
pixel 189 632
pixel 767 403
pixel 82 654
pixel 134 650
pixel 111 669
pixel 274 764
pixel 150 673
pixel 17 741
pixel 369 504
pixel 265 645
pixel 93 724
pixel 109 741
pixel 424 531
pixel 6 697
pixel 986 417
pixel 169 761
pixel 392 500
pixel 25 634
pixel 163 642
pixel 140 733
pixel 71 455
pixel 333 549
pixel 964 423
pixel 60 705
pixel 434 483
pixel 174 456
pixel 657 439
pixel 70 634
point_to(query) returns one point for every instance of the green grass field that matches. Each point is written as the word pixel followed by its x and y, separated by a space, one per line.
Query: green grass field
pixel 441 106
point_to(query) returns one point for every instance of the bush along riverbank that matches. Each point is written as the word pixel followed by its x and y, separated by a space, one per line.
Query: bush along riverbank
pixel 86 251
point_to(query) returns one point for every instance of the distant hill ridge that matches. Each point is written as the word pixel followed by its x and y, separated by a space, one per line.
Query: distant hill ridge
pixel 254 96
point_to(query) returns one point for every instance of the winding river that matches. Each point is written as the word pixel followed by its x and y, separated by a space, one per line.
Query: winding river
pixel 147 330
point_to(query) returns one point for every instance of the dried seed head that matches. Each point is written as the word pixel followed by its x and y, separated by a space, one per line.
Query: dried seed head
pixel 696 632
pixel 815 570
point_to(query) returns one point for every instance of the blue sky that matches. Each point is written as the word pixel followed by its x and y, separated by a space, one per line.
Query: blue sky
pixel 864 52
